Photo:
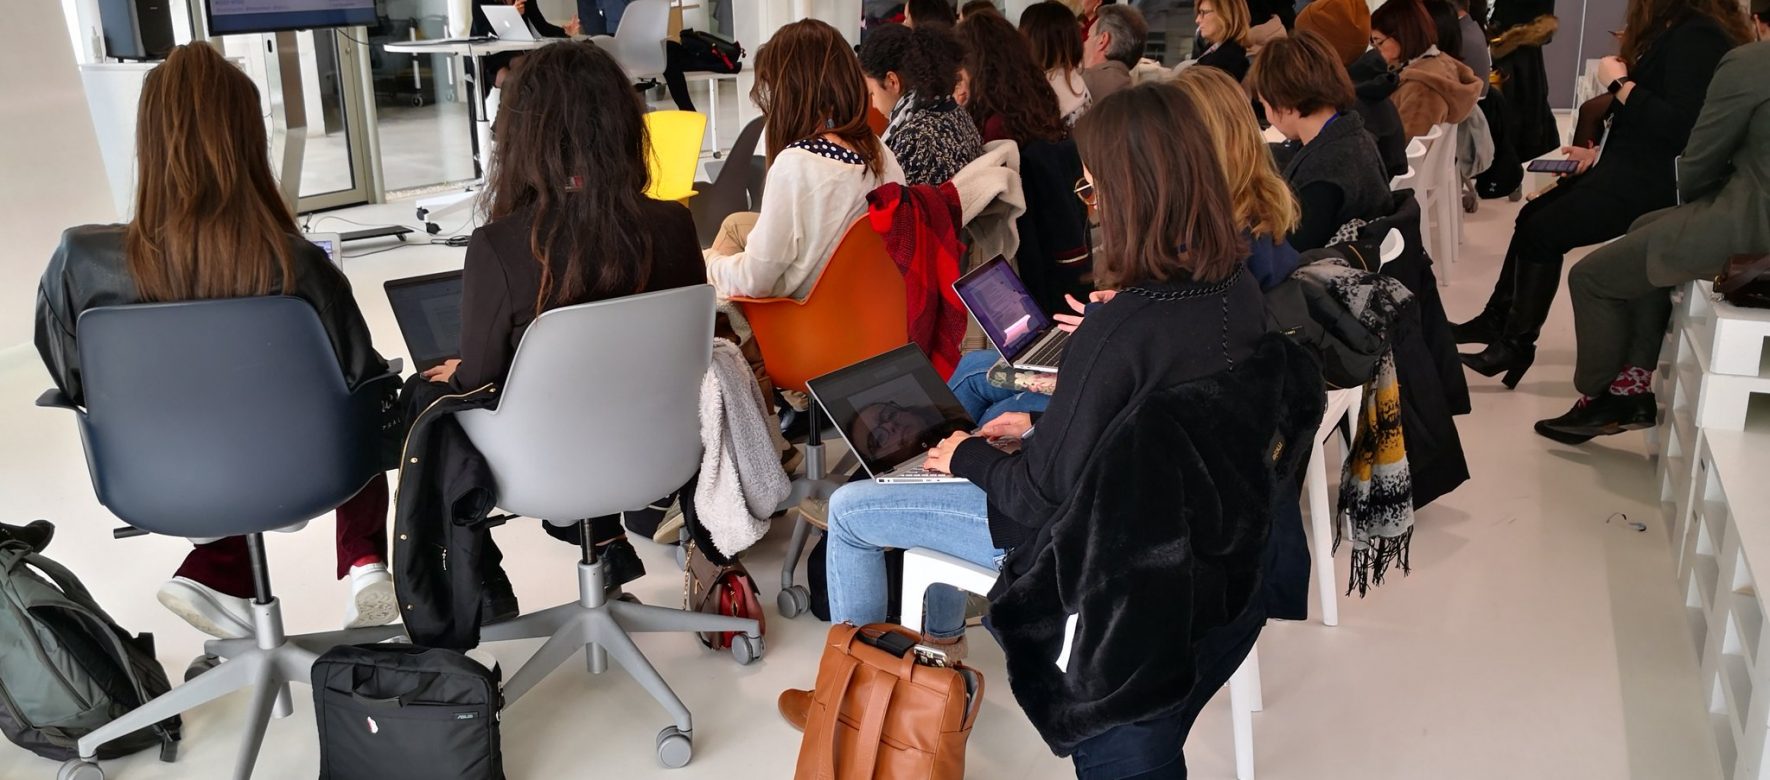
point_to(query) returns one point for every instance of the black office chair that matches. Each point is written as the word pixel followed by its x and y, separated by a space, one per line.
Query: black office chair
pixel 224 418
pixel 736 187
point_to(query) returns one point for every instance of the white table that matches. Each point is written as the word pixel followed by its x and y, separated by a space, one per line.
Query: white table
pixel 478 50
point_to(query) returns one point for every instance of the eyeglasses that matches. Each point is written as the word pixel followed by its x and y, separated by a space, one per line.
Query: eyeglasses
pixel 1377 41
pixel 1085 191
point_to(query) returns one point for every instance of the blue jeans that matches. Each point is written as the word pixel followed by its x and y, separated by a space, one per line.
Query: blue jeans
pixel 867 517
pixel 984 401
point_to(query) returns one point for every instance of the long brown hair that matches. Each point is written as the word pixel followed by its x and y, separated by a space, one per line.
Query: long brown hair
pixel 1053 36
pixel 571 151
pixel 1164 209
pixel 1261 198
pixel 1006 83
pixel 209 220
pixel 1648 19
pixel 809 84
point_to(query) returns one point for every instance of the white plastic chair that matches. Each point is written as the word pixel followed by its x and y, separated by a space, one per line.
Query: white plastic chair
pixel 639 43
pixel 1393 244
pixel 1340 404
pixel 1441 199
pixel 923 567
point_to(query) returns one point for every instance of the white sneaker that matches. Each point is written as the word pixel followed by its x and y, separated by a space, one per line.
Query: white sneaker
pixel 372 602
pixel 207 609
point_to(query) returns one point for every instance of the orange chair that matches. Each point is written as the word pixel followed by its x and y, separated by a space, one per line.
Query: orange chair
pixel 856 310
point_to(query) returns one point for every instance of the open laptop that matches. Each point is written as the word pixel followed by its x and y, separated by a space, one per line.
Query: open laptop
pixel 508 24
pixel 891 409
pixel 1011 319
pixel 428 310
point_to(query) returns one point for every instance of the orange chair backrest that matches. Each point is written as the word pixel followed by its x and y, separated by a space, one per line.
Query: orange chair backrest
pixel 856 310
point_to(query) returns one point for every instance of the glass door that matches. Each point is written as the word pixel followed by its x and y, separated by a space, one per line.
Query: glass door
pixel 334 170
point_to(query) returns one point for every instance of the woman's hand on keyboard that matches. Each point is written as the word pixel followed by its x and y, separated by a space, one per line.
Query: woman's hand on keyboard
pixel 941 457
pixel 1069 322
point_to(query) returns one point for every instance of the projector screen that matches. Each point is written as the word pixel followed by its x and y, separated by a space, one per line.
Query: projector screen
pixel 231 17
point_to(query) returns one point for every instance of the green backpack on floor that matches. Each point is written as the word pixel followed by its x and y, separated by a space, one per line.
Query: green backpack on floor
pixel 66 668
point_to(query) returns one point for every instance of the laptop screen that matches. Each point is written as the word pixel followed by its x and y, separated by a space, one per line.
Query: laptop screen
pixel 428 309
pixel 890 408
pixel 996 297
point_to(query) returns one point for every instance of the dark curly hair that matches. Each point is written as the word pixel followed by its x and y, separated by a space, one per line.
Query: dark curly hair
pixel 1005 82
pixel 571 153
pixel 926 59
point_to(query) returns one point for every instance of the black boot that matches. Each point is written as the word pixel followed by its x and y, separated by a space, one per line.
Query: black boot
pixel 1535 285
pixel 1606 415
pixel 1486 327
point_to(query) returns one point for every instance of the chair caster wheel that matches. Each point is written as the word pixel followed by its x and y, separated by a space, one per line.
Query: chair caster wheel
pixel 1517 195
pixel 746 649
pixel 199 665
pixel 75 769
pixel 675 748
pixel 793 602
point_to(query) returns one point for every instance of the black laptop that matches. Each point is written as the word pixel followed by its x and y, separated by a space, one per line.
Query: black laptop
pixel 428 310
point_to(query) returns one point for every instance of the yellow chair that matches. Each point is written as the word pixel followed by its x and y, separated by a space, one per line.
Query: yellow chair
pixel 675 151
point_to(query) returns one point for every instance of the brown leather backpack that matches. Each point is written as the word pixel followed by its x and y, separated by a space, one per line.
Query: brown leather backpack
pixel 880 712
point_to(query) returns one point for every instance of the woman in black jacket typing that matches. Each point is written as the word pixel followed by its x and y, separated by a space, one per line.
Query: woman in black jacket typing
pixel 1172 252
pixel 1670 49
pixel 570 224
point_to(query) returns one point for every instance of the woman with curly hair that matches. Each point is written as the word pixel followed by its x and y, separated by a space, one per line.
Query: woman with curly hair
pixel 1009 96
pixel 910 75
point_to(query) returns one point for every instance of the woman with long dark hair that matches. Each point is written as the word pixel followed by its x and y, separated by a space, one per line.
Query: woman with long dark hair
pixel 911 74
pixel 822 162
pixel 1055 39
pixel 1172 251
pixel 569 223
pixel 1670 49
pixel 210 223
pixel 1010 97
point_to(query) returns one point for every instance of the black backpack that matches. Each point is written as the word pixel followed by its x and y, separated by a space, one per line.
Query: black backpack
pixel 393 711
pixel 67 668
pixel 705 51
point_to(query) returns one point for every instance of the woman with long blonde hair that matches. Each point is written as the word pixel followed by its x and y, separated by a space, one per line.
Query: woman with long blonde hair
pixel 1261 199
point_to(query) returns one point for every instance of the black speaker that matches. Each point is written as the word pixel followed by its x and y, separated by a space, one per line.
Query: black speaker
pixel 136 29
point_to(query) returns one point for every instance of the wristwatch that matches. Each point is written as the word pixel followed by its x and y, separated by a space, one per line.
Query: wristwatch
pixel 1617 85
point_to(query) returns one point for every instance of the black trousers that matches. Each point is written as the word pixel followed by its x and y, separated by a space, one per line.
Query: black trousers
pixel 1582 211
pixel 1619 317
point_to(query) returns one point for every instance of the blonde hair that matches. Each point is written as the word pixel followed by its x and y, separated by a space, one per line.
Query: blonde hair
pixel 1262 199
pixel 1237 20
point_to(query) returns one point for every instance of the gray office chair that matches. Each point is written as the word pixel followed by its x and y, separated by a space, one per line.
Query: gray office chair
pixel 224 418
pixel 600 414
pixel 638 46
pixel 735 187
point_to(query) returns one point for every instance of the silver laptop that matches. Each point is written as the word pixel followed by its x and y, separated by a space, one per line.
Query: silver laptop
pixel 1011 320
pixel 508 24
pixel 891 409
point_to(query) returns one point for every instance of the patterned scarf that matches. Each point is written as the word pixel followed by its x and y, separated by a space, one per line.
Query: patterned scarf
pixel 1376 488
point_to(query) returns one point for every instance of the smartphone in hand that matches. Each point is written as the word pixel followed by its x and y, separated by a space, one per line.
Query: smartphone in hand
pixel 1563 167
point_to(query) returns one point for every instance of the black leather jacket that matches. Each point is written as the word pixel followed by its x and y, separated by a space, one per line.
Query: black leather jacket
pixel 88 270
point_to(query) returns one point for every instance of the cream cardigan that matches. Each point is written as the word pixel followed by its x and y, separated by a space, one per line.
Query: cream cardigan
pixel 811 201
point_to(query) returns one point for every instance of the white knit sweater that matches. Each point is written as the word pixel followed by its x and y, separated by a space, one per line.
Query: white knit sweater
pixel 810 203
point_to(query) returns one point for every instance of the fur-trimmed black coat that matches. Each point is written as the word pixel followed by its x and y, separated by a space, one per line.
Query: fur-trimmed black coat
pixel 1159 549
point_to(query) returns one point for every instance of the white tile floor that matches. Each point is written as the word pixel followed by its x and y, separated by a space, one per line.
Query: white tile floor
pixel 1538 637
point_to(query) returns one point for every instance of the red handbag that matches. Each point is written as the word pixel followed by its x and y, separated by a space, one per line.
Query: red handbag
pixel 720 590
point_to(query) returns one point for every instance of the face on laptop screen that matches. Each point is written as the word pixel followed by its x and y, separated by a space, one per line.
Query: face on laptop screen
pixel 891 408
pixel 1003 307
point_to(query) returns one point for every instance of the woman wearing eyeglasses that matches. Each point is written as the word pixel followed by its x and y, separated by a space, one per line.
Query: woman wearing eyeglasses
pixel 1171 249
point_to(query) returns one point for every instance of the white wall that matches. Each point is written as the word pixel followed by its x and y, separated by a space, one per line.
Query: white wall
pixel 51 175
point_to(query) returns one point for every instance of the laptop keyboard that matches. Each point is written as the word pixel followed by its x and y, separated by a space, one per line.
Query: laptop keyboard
pixel 1048 353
